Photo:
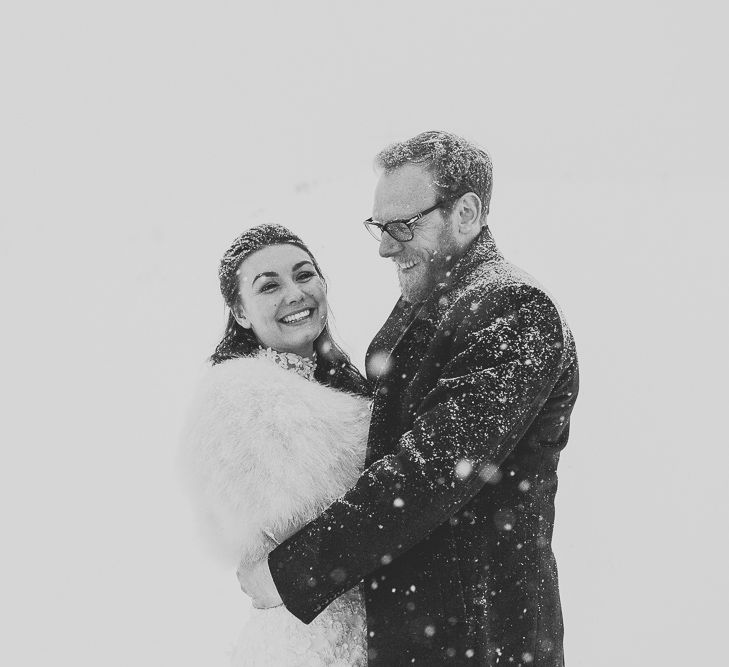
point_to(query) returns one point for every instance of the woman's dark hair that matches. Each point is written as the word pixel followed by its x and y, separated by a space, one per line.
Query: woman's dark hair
pixel 333 365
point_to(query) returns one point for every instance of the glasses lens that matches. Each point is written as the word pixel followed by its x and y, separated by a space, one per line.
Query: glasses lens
pixel 374 230
pixel 399 231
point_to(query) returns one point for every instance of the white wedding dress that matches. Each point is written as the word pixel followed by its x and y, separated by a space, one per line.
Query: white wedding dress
pixel 265 450
pixel 335 638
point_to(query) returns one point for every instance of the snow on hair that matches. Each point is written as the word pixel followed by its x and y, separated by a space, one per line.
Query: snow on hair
pixel 458 166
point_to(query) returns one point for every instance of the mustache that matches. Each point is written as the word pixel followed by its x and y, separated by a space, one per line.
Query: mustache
pixel 433 256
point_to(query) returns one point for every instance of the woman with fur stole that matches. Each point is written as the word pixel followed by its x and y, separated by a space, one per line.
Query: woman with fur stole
pixel 276 432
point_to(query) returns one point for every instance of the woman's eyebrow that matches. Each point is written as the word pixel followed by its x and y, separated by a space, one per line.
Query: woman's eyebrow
pixel 273 274
pixel 265 274
pixel 298 265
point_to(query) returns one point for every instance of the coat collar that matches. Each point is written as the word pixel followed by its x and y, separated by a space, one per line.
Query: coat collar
pixel 482 250
pixel 404 315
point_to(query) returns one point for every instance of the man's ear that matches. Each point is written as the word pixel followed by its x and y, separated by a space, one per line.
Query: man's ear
pixel 240 316
pixel 468 214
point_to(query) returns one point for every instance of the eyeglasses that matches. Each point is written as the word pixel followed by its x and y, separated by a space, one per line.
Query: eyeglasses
pixel 400 230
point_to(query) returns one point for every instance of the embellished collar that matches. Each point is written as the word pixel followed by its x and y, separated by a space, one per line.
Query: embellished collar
pixel 290 361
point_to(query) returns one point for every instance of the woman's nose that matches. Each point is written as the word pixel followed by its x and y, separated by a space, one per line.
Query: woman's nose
pixel 389 246
pixel 294 293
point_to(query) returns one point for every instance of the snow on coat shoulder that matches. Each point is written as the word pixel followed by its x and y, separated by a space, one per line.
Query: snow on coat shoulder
pixel 264 449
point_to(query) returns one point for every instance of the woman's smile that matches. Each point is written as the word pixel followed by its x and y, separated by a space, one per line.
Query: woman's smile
pixel 298 317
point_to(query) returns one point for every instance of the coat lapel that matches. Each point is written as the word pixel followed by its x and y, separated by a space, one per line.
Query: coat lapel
pixel 402 342
pixel 382 353
pixel 379 354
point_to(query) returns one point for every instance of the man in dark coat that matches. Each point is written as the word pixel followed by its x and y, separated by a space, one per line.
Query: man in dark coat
pixel 449 528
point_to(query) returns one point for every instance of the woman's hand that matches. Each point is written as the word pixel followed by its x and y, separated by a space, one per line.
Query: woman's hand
pixel 257 583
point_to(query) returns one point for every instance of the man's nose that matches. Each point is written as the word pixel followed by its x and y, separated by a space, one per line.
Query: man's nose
pixel 389 246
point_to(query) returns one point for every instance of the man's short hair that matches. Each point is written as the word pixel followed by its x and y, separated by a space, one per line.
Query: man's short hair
pixel 457 165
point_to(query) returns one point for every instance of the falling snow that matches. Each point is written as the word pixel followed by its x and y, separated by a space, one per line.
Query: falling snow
pixel 473 392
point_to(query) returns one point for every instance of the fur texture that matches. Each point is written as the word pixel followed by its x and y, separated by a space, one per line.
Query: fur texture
pixel 265 450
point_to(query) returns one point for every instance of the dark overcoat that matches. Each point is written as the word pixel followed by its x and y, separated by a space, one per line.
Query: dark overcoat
pixel 449 528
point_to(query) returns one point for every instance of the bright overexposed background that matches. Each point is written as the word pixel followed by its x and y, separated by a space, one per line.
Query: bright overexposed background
pixel 138 138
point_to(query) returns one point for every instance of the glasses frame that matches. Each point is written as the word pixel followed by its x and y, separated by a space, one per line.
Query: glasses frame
pixel 408 222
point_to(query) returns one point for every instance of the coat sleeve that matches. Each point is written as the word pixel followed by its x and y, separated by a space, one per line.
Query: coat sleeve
pixel 504 361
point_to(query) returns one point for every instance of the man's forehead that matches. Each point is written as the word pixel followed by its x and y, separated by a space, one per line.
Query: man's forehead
pixel 402 191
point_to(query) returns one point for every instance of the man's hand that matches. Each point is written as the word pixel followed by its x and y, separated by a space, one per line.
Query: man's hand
pixel 257 583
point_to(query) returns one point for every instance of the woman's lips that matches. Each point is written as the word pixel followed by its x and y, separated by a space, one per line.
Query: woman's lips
pixel 297 317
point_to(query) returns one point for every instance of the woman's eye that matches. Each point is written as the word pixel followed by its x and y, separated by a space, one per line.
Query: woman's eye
pixel 305 275
pixel 268 287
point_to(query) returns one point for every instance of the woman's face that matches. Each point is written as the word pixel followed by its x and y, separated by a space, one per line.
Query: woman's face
pixel 282 299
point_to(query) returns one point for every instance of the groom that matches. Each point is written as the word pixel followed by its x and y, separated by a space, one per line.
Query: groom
pixel 450 525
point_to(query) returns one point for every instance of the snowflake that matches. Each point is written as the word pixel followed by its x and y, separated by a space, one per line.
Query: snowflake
pixel 464 468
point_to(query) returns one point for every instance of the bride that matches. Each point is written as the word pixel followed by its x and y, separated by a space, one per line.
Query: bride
pixel 276 432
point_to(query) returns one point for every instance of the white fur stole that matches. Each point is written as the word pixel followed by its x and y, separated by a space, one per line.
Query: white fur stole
pixel 265 450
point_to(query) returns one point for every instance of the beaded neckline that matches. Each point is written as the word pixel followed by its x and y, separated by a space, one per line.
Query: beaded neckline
pixel 290 361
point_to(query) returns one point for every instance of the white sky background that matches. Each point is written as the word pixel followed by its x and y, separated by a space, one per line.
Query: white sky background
pixel 138 138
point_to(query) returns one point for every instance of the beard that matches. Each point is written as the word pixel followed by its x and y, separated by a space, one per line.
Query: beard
pixel 417 283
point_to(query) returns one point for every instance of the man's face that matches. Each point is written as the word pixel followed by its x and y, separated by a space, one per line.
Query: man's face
pixel 421 262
